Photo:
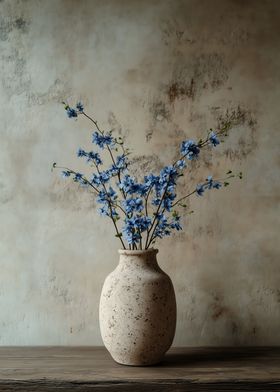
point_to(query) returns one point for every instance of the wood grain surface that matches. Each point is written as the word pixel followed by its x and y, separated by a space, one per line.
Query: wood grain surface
pixel 183 369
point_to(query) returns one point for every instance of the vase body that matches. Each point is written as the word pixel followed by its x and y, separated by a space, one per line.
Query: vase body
pixel 137 312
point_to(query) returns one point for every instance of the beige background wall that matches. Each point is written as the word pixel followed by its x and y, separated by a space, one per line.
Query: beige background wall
pixel 157 72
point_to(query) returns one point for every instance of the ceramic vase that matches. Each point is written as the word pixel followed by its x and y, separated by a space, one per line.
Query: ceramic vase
pixel 137 311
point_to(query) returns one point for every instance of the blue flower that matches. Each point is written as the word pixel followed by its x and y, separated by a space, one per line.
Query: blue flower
pixel 95 157
pixel 168 173
pixel 71 112
pixel 101 178
pixel 107 197
pixel 212 184
pixel 102 197
pixel 80 107
pixel 143 223
pixel 112 193
pixel 121 162
pixel 181 164
pixel 134 226
pixel 66 173
pixel 78 177
pixel 95 180
pixel 162 226
pixel 200 190
pixel 104 211
pixel 129 185
pixel 131 232
pixel 91 156
pixel 151 180
pixel 175 224
pixel 217 185
pixel 190 149
pixel 156 201
pixel 214 139
pixel 103 140
pixel 119 165
pixel 133 204
pixel 81 153
pixel 167 204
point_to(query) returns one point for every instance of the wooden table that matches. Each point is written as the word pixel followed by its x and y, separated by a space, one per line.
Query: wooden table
pixel 184 369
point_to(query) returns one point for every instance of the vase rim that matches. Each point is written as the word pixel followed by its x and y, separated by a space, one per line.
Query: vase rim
pixel 137 251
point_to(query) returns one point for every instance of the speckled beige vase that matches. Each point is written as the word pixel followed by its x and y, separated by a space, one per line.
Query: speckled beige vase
pixel 137 311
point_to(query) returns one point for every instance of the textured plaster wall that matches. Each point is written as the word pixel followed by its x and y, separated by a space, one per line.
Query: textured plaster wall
pixel 157 72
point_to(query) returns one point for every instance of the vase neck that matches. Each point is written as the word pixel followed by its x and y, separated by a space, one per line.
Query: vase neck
pixel 145 258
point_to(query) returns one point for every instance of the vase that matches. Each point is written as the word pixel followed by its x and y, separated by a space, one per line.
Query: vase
pixel 137 311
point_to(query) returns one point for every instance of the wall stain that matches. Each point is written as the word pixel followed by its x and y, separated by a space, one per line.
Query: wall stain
pixel 116 127
pixel 145 164
pixel 59 290
pixel 239 117
pixel 179 90
pixel 202 72
pixel 17 80
pixel 8 25
pixel 7 192
pixel 149 134
pixel 64 194
pixel 160 111
pixel 218 311
pixel 234 328
pixel 55 93
pixel 174 34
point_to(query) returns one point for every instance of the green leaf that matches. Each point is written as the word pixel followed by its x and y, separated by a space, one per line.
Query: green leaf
pixel 226 183
pixel 229 172
pixel 54 165
pixel 118 235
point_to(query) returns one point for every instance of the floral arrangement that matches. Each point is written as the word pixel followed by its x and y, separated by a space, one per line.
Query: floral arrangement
pixel 147 210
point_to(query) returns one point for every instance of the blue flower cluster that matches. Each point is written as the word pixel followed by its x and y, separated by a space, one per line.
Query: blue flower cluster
pixel 129 186
pixel 101 178
pixel 91 156
pixel 133 204
pixel 107 199
pixel 77 177
pixel 134 226
pixel 147 207
pixel 209 184
pixel 71 112
pixel 102 140
pixel 190 149
pixel 213 138
pixel 164 226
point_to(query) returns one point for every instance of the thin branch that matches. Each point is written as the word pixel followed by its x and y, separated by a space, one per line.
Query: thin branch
pixel 110 207
pixel 108 148
pixel 74 172
pixel 182 198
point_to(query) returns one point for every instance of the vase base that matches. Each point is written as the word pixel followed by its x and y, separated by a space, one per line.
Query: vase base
pixel 153 363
